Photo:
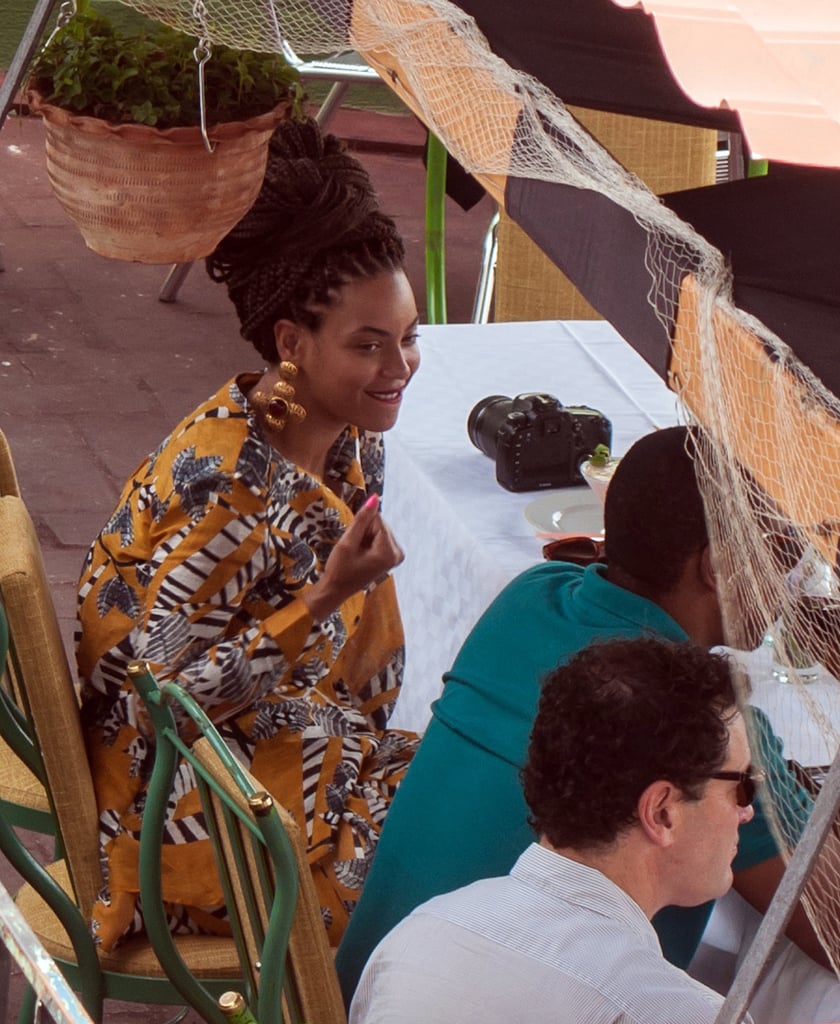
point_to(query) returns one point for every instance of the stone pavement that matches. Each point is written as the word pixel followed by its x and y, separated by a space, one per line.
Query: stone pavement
pixel 94 370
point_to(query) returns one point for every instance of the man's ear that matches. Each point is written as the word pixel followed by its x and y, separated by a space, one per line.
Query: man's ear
pixel 658 812
pixel 287 338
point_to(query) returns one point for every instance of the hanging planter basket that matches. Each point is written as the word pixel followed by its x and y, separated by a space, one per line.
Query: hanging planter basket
pixel 138 193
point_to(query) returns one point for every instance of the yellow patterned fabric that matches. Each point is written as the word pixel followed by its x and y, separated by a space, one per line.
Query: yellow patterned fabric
pixel 200 571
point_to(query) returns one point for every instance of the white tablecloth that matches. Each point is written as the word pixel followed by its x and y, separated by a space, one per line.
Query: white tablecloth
pixel 465 536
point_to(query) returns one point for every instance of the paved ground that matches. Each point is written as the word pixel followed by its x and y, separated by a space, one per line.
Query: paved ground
pixel 94 369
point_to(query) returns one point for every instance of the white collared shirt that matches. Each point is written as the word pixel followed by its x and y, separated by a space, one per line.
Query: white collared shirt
pixel 553 941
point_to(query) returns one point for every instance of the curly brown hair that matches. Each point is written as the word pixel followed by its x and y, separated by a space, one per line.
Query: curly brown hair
pixel 618 716
pixel 314 226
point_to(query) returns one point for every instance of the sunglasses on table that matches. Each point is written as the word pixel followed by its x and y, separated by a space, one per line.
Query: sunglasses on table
pixel 580 549
pixel 748 783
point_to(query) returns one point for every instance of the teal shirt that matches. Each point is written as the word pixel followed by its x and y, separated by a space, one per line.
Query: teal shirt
pixel 540 620
pixel 459 814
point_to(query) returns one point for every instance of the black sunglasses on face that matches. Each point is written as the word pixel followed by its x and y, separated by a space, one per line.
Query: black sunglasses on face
pixel 748 783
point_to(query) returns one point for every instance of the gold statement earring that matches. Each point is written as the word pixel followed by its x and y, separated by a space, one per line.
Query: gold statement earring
pixel 281 406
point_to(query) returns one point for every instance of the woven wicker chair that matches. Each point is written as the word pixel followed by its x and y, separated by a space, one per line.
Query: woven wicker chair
pixel 287 964
pixel 56 902
pixel 8 476
pixel 666 157
pixel 23 799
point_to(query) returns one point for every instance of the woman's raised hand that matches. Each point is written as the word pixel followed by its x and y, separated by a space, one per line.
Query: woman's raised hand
pixel 366 553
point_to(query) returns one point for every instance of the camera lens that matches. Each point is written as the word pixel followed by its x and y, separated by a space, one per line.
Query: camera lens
pixel 484 421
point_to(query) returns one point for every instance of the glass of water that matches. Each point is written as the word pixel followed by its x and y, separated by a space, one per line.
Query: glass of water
pixel 791 661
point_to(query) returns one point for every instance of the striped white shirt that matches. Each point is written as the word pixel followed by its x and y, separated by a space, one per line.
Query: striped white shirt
pixel 552 941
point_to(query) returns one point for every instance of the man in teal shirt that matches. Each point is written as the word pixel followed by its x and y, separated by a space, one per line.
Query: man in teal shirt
pixel 460 814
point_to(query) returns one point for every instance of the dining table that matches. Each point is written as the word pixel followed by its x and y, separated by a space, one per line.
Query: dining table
pixel 465 536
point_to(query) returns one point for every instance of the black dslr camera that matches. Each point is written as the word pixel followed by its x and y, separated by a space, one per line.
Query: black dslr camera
pixel 536 441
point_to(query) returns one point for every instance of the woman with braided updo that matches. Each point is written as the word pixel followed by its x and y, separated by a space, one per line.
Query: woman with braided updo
pixel 247 558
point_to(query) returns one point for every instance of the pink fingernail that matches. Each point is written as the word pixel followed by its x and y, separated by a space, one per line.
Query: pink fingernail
pixel 373 501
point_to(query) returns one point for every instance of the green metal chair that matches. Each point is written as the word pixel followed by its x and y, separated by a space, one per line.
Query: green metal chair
pixel 56 900
pixel 287 965
pixel 23 798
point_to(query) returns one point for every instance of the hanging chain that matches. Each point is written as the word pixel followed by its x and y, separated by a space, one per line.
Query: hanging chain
pixel 201 54
pixel 65 13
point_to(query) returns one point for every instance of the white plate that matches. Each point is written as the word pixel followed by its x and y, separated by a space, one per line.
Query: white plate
pixel 568 510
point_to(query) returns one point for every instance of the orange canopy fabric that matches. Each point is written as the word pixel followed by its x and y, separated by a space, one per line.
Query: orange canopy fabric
pixel 775 62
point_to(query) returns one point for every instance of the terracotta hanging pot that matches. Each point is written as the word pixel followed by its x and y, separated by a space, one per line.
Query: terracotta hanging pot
pixel 150 196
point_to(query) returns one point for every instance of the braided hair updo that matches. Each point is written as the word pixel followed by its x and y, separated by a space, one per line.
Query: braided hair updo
pixel 314 226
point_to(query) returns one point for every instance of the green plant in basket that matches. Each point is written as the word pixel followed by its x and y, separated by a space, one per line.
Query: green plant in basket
pixel 146 170
pixel 93 68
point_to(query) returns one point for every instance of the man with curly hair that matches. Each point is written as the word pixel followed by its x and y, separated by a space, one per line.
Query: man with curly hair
pixel 638 778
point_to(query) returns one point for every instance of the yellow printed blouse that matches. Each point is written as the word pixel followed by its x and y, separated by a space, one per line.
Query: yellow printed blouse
pixel 200 571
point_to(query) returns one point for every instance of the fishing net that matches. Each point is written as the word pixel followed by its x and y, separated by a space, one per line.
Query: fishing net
pixel 769 465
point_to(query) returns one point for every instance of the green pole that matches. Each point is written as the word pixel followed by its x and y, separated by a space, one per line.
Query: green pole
pixel 435 231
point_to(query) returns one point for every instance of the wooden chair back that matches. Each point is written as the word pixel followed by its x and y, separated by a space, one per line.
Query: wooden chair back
pixel 8 476
pixel 48 696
